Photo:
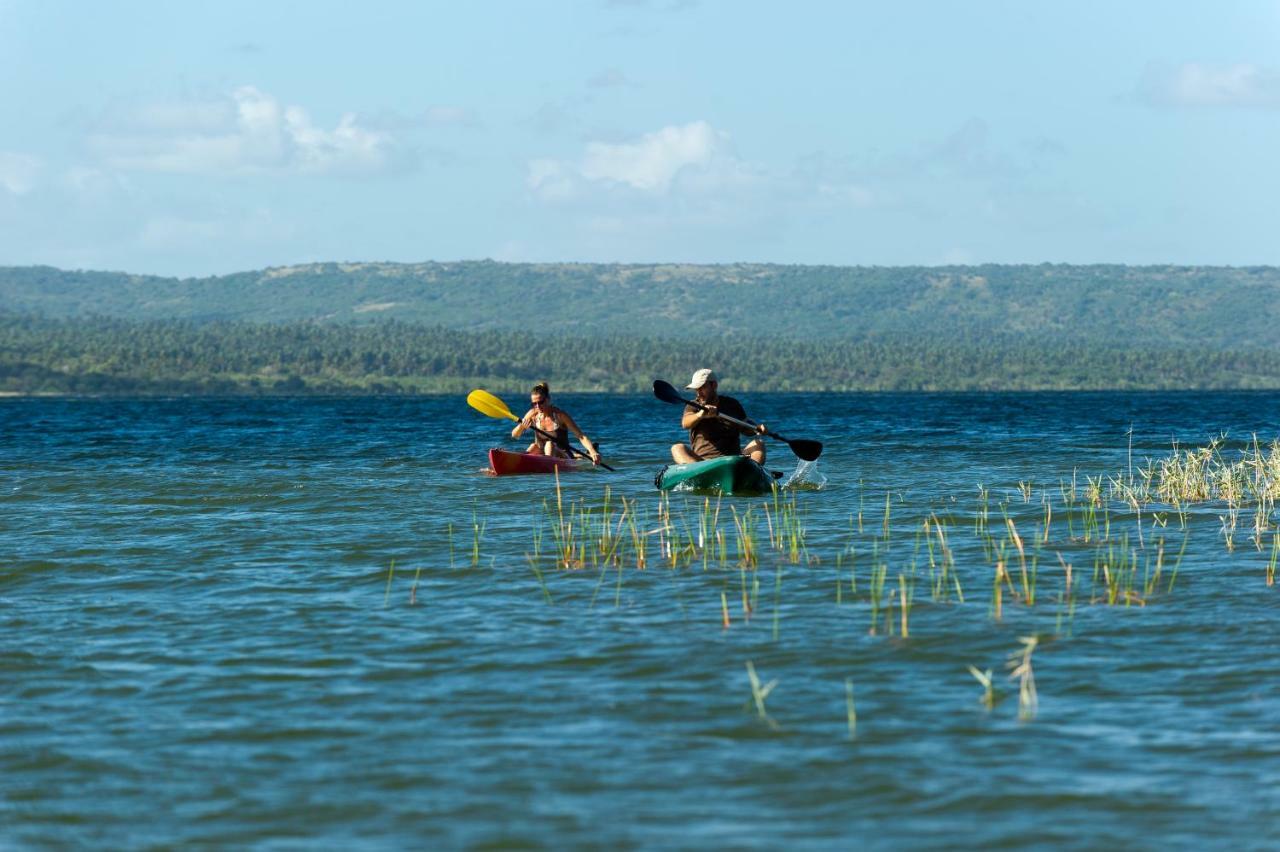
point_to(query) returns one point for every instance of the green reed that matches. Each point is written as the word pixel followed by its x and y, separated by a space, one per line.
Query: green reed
pixel 758 695
pixel 850 711
pixel 1275 552
pixel 946 566
pixel 391 573
pixel 905 596
pixel 542 581
pixel 839 579
pixel 951 547
pixel 413 590
pixel 746 548
pixel 988 699
pixel 861 497
pixel 1069 508
pixel 984 508
pixel 1020 662
pixel 477 532
pixel 879 571
pixel 1066 598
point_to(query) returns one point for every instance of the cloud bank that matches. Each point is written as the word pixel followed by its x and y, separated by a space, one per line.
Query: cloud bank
pixel 648 165
pixel 245 132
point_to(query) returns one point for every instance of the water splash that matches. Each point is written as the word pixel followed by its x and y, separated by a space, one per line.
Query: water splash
pixel 806 477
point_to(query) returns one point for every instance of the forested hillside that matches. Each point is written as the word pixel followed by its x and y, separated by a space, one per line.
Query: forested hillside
pixel 1196 307
pixel 92 356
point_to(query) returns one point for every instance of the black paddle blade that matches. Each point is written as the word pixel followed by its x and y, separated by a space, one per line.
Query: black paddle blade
pixel 666 392
pixel 806 450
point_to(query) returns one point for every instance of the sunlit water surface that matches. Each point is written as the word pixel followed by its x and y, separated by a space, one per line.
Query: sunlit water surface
pixel 202 642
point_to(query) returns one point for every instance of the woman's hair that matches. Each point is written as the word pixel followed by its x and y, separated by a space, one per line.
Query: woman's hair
pixel 542 388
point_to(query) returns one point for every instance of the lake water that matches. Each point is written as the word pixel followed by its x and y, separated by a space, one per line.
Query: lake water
pixel 201 642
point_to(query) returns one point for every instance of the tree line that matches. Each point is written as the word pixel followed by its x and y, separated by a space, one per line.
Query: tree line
pixel 117 356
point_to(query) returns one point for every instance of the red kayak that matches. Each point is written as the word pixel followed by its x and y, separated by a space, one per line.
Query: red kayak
pixel 506 463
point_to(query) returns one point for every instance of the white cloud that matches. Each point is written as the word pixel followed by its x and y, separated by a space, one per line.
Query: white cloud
pixel 1194 84
pixel 652 162
pixel 551 180
pixel 649 164
pixel 18 172
pixel 245 132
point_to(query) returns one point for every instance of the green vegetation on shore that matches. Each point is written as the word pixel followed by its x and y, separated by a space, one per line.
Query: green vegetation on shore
pixel 114 356
pixel 1160 306
pixel 446 327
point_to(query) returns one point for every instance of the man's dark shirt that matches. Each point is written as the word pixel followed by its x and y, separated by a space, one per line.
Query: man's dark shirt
pixel 711 436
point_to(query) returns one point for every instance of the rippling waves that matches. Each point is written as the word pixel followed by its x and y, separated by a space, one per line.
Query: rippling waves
pixel 204 643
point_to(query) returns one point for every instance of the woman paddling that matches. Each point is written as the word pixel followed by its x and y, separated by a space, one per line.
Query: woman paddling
pixel 556 422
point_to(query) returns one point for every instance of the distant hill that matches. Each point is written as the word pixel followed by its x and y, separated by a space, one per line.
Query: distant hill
pixel 1223 308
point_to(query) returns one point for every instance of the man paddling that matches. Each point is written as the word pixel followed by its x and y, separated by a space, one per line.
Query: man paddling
pixel 709 435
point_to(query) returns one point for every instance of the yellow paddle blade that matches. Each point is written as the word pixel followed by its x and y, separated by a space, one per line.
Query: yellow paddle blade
pixel 487 403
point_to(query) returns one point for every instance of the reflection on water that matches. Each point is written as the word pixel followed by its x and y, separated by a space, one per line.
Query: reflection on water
pixel 265 622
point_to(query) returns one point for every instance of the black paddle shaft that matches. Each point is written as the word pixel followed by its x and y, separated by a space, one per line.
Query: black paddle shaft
pixel 806 450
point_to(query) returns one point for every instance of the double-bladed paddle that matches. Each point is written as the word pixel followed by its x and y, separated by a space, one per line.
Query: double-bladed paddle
pixel 488 404
pixel 806 450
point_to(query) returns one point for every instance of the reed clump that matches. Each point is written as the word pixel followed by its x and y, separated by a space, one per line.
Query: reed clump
pixel 618 531
pixel 1121 532
pixel 760 692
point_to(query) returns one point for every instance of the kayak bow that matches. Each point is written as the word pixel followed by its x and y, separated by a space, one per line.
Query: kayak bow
pixel 507 463
pixel 726 474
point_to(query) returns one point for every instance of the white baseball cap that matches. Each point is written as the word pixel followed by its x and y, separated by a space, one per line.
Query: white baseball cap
pixel 700 378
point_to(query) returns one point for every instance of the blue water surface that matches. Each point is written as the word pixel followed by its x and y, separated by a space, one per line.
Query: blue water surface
pixel 315 622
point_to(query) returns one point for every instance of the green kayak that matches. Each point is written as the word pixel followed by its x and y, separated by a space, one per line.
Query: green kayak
pixel 726 474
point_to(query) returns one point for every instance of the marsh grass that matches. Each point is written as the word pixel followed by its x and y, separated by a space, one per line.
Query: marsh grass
pixel 1120 559
pixel 1020 662
pixel 477 528
pixel 542 581
pixel 905 595
pixel 879 571
pixel 943 576
pixel 1203 474
pixel 391 573
pixel 850 711
pixel 1275 552
pixel 988 698
pixel 759 693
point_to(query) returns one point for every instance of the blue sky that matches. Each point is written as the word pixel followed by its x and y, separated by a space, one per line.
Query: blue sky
pixel 194 139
